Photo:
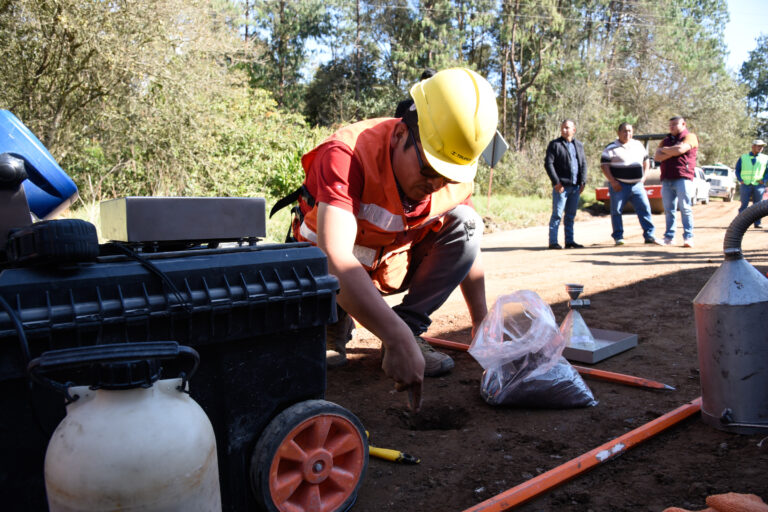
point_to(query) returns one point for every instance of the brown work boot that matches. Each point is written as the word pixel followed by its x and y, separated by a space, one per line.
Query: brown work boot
pixel 336 338
pixel 435 363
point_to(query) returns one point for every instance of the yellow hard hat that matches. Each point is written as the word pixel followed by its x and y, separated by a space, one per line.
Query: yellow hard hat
pixel 457 120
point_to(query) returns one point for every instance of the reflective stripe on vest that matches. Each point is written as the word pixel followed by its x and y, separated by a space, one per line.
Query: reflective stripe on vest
pixel 380 217
pixel 365 255
pixel 751 174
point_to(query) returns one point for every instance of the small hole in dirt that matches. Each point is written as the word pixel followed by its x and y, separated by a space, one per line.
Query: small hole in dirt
pixel 435 418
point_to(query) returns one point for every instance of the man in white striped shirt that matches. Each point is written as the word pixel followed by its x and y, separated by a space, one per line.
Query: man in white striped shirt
pixel 625 163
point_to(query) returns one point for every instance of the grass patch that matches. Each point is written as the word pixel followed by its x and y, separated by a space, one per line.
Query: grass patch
pixel 277 226
pixel 511 212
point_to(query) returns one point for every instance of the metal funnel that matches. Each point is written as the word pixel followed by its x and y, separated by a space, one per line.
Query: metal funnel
pixel 730 312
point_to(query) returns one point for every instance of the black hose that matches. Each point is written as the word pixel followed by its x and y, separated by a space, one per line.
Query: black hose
pixel 739 226
pixel 127 251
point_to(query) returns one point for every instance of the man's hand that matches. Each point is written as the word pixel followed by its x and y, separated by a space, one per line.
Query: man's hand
pixel 606 168
pixel 559 188
pixel 403 361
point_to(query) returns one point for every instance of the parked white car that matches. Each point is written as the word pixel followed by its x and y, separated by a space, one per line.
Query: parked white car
pixel 722 181
pixel 702 187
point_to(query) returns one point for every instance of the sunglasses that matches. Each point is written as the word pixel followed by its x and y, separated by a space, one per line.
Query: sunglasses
pixel 424 169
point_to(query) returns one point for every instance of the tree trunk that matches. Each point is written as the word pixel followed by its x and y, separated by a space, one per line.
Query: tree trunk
pixel 247 14
pixel 513 70
pixel 519 104
pixel 504 91
pixel 524 129
pixel 281 51
pixel 357 52
pixel 612 33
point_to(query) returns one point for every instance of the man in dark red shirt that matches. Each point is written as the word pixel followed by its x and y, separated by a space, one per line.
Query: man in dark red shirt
pixel 677 154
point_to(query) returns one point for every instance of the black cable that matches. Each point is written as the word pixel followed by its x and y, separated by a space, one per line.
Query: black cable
pixel 127 251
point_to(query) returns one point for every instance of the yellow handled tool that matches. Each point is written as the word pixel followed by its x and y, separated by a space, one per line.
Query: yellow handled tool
pixel 390 455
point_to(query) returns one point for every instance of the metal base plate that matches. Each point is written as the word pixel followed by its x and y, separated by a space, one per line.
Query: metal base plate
pixel 607 344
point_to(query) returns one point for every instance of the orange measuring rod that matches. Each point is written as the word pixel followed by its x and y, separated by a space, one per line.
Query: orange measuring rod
pixel 437 342
pixel 619 378
pixel 603 453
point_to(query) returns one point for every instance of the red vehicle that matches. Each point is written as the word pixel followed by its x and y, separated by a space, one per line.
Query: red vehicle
pixel 652 188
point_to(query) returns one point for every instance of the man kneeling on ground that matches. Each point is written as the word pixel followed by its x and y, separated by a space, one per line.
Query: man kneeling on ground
pixel 388 201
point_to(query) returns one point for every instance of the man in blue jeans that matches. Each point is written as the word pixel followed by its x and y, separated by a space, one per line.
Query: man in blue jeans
pixel 677 154
pixel 750 171
pixel 624 163
pixel 567 170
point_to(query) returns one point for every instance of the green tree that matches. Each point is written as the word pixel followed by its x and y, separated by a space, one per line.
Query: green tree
pixel 754 73
pixel 439 42
pixel 342 92
pixel 475 20
pixel 526 35
pixel 689 80
pixel 283 28
pixel 394 24
pixel 62 60
pixel 208 96
pixel 122 93
pixel 349 87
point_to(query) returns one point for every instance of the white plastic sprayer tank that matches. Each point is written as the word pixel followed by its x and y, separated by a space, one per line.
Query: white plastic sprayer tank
pixel 146 447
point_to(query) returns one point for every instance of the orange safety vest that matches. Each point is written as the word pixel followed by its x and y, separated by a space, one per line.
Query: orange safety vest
pixel 384 233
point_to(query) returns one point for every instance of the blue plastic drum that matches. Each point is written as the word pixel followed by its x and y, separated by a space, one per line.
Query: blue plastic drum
pixel 48 188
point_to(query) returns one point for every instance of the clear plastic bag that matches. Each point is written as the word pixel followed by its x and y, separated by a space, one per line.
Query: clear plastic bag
pixel 518 326
pixel 520 347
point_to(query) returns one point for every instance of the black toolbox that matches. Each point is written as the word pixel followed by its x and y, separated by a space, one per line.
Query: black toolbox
pixel 256 315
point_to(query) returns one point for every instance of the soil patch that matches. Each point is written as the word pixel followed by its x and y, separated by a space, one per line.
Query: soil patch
pixel 471 451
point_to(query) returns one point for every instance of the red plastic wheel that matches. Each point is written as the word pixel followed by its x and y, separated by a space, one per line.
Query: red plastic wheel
pixel 311 458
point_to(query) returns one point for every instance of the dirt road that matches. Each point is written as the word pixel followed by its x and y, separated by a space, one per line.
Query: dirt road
pixel 518 259
pixel 471 451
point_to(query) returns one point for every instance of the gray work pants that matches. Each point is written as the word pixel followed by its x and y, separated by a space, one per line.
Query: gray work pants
pixel 439 263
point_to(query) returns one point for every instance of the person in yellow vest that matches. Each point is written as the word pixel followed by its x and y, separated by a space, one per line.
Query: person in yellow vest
pixel 750 172
pixel 388 201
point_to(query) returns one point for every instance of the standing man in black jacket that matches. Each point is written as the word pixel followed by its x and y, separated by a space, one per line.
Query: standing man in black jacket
pixel 567 170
